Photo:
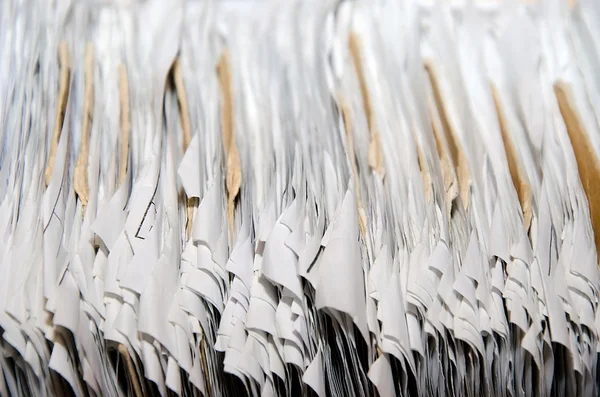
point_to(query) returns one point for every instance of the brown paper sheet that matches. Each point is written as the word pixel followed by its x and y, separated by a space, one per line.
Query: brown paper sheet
pixel 362 221
pixel 448 171
pixel 184 114
pixel 587 160
pixel 125 124
pixel 81 168
pixel 459 158
pixel 135 383
pixel 375 152
pixel 61 106
pixel 517 173
pixel 425 172
pixel 233 179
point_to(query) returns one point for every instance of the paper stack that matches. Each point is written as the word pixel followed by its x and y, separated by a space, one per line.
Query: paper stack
pixel 300 198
